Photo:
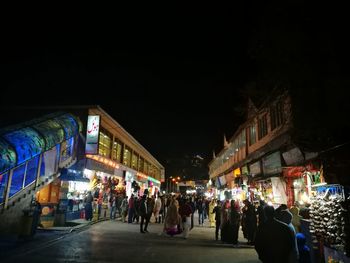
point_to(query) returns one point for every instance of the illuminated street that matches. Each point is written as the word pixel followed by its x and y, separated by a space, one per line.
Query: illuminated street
pixel 235 112
pixel 117 242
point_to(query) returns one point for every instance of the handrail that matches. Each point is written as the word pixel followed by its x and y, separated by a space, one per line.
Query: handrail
pixel 6 198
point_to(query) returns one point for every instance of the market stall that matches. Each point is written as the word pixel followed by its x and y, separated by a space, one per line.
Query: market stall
pixel 330 222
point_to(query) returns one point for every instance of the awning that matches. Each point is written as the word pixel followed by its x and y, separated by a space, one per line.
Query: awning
pixel 73 175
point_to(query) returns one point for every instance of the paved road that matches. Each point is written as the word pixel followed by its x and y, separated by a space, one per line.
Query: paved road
pixel 113 241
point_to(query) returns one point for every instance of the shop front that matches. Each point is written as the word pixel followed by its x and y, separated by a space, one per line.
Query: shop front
pixel 266 181
pixel 235 185
pixel 300 176
pixel 48 197
pixel 329 222
pixel 74 188
pixel 301 181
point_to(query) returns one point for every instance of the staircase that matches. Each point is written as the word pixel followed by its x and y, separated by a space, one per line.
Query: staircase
pixel 10 217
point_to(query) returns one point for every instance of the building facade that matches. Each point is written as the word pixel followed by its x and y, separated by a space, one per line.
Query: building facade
pixel 58 158
pixel 262 159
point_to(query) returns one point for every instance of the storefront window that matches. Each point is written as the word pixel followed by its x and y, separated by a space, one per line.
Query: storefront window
pixel 127 156
pixel 135 161
pixel 32 168
pixel 104 147
pixel 3 184
pixel 17 179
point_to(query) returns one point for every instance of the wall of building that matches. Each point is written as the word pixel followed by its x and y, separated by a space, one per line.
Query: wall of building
pixel 244 152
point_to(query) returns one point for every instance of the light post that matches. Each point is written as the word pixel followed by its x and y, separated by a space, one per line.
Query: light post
pixel 173 184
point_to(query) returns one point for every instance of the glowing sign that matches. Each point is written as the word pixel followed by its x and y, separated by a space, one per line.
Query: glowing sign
pixel 92 132
pixel 103 160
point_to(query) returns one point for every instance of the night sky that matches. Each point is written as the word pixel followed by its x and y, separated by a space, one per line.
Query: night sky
pixel 175 77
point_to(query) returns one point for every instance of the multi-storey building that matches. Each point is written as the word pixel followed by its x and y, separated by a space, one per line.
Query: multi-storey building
pixel 263 156
pixel 59 157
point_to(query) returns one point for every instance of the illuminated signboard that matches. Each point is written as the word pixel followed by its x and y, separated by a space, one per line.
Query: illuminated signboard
pixel 92 134
pixel 237 172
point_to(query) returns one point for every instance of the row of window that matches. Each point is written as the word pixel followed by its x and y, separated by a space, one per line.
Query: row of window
pixel 276 119
pixel 238 143
pixel 254 133
pixel 26 173
pixel 121 153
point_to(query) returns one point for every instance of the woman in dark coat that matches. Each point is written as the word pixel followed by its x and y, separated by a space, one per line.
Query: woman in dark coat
pixel 234 218
pixel 88 206
pixel 249 222
pixel 226 231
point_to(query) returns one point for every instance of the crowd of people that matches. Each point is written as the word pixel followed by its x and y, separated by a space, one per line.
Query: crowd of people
pixel 274 233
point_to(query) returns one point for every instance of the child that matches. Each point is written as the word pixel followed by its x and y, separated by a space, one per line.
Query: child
pixel 304 251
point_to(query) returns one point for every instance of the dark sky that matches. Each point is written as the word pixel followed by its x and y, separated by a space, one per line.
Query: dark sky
pixel 171 75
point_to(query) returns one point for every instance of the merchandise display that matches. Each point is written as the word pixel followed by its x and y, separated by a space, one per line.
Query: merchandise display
pixel 329 218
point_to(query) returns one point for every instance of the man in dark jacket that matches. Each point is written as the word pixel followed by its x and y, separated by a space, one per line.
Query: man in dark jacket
pixel 143 213
pixel 217 212
pixel 274 240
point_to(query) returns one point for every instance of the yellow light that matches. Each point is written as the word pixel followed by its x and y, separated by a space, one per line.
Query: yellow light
pixel 173 179
pixel 178 178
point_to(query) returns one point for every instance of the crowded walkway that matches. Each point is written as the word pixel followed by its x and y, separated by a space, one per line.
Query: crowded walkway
pixel 114 241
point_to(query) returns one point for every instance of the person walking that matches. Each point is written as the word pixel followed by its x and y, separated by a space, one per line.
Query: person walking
pixel 157 208
pixel 260 212
pixel 112 206
pixel 296 218
pixel 250 222
pixel 274 240
pixel 225 223
pixel 185 212
pixel 150 207
pixel 304 250
pixel 131 209
pixel 201 211
pixel 124 208
pixel 234 218
pixel 143 213
pixel 210 213
pixel 217 212
pixel 173 221
pixel 88 206
pixel 193 207
pixel 286 217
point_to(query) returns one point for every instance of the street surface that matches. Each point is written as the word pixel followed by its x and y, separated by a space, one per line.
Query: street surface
pixel 114 241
